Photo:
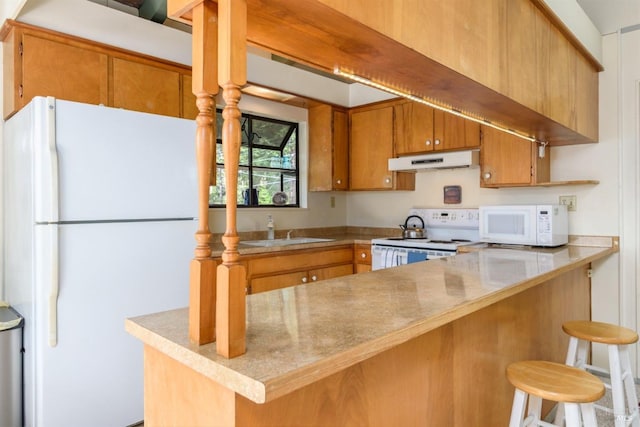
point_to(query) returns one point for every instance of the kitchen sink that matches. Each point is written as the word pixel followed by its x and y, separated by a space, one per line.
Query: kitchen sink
pixel 285 242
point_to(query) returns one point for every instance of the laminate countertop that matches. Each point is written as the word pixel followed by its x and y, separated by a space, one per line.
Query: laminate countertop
pixel 301 334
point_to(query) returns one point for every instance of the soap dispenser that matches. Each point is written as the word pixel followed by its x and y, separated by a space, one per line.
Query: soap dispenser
pixel 270 228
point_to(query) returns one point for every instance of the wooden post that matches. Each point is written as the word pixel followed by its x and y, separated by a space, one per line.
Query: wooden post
pixel 202 287
pixel 232 75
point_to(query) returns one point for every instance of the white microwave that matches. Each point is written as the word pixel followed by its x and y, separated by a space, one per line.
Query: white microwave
pixel 536 225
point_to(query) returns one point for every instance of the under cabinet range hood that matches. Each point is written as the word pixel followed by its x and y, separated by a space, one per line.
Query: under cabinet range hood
pixel 424 162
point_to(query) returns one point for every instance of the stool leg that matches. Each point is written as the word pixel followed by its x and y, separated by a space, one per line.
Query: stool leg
pixel 572 411
pixel 582 353
pixel 576 356
pixel 588 415
pixel 535 409
pixel 629 386
pixel 617 391
pixel 517 410
pixel 572 351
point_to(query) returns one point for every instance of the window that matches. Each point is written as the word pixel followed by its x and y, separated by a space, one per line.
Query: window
pixel 268 170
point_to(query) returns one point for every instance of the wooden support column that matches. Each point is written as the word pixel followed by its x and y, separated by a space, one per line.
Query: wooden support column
pixel 232 75
pixel 202 288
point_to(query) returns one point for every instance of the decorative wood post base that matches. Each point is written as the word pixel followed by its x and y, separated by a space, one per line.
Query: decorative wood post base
pixel 231 310
pixel 202 301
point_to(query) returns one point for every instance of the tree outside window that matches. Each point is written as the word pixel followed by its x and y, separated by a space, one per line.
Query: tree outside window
pixel 268 164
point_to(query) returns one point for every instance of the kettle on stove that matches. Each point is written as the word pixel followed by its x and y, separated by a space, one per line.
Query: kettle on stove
pixel 413 232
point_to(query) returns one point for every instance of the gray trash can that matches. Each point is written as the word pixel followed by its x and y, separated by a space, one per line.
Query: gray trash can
pixel 11 327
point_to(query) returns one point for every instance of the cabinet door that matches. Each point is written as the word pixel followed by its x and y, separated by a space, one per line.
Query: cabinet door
pixel 361 258
pixel 340 173
pixel 414 128
pixel 142 87
pixel 50 68
pixel 371 147
pixel 505 159
pixel 330 272
pixel 452 132
pixel 328 149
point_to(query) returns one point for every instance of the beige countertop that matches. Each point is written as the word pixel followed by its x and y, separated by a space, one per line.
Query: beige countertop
pixel 300 334
pixel 338 236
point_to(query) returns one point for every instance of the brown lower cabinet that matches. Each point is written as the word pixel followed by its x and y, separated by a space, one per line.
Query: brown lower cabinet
pixel 290 268
pixel 361 258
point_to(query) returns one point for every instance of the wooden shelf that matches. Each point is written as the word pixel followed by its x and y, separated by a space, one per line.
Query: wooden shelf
pixel 549 184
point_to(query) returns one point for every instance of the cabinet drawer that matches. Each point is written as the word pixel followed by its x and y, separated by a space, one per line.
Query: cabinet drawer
pixel 269 283
pixel 300 261
pixel 330 272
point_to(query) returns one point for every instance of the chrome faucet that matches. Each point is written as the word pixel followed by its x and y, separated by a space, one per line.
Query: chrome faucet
pixel 289 234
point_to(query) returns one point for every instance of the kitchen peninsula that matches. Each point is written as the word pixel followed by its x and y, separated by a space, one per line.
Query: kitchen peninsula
pixel 421 344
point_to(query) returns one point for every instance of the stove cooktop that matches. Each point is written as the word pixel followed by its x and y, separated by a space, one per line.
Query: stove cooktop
pixel 446 229
pixel 399 242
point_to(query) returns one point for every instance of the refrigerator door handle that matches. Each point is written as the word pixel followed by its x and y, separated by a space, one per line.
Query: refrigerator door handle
pixel 55 287
pixel 54 196
pixel 53 155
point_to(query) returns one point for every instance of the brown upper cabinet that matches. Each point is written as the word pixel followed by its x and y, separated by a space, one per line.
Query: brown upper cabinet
pixel 422 129
pixel 371 146
pixel 144 87
pixel 508 161
pixel 40 62
pixel 328 148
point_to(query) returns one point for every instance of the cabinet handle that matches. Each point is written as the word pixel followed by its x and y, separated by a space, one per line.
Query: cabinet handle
pixel 304 280
pixel 314 278
pixel 363 255
pixel 487 175
pixel 437 142
pixel 428 142
pixel 387 180
pixel 339 181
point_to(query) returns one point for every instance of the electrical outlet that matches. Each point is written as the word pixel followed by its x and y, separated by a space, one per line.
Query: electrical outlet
pixel 570 201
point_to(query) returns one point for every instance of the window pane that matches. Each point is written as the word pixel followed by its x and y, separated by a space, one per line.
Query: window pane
pixel 269 133
pixel 269 183
pixel 289 155
pixel 217 194
pixel 266 158
pixel 290 186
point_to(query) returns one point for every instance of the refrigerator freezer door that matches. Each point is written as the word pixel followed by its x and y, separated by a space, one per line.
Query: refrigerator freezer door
pixel 112 164
pixel 107 272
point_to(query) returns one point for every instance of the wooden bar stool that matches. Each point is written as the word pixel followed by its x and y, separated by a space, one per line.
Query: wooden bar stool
pixel 617 338
pixel 538 379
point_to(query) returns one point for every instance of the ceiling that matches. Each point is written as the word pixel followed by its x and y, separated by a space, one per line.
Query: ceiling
pixel 611 15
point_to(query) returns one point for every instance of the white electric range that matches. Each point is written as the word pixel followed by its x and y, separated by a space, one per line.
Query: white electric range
pixel 446 230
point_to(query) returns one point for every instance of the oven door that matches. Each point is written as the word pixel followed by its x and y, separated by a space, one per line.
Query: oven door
pixel 387 256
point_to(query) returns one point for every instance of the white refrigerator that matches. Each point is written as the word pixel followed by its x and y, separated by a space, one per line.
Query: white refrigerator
pixel 99 207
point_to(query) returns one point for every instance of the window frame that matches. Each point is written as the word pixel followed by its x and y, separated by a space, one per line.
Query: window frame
pixel 251 143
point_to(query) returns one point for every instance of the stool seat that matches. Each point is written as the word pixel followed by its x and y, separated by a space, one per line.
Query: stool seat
pixel 604 333
pixel 555 381
pixel 573 388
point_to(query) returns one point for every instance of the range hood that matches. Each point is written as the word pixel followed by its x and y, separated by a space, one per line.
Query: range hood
pixel 448 160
